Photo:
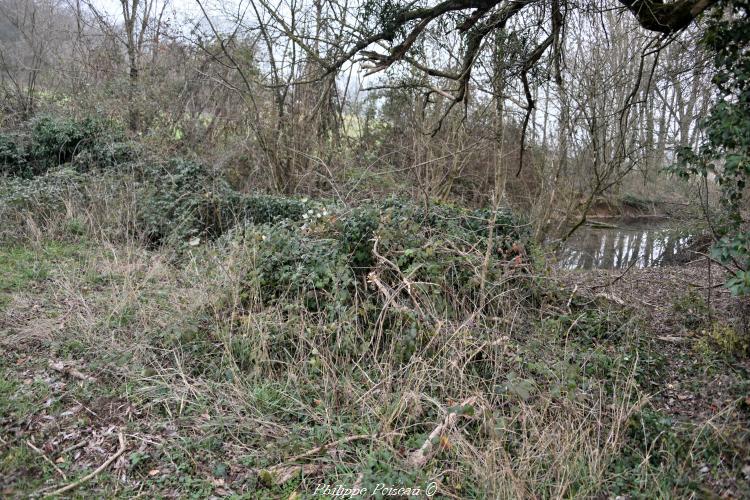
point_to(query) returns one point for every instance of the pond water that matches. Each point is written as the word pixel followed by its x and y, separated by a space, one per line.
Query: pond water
pixel 636 242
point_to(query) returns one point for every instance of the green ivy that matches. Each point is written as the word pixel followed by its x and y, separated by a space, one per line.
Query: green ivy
pixel 325 264
pixel 184 202
pixel 47 142
pixel 13 156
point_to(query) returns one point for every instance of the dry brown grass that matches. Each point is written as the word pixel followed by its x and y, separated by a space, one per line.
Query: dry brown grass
pixel 161 336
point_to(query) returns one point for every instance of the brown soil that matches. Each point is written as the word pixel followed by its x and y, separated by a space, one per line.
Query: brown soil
pixel 677 305
pixel 693 383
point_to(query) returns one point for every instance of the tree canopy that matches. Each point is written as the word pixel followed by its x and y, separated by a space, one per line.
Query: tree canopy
pixel 398 27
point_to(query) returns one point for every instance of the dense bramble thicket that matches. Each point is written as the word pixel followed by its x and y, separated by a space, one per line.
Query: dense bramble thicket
pixel 392 266
pixel 389 267
pixel 47 142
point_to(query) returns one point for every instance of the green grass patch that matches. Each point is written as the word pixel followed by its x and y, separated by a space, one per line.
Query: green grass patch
pixel 23 266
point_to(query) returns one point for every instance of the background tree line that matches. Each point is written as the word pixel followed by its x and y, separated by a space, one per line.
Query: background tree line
pixel 273 95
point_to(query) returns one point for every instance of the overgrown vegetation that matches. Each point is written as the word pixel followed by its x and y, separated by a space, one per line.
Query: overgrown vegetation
pixel 227 270
pixel 224 334
pixel 51 141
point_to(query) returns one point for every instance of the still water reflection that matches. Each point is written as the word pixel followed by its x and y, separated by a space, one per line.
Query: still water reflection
pixel 640 243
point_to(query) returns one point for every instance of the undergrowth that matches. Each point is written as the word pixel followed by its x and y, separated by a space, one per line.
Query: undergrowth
pixel 262 346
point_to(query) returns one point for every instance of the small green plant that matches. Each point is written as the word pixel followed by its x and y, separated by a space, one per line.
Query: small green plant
pixel 75 227
pixel 724 340
pixel 692 310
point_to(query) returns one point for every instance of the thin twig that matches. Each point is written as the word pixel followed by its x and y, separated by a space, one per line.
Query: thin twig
pixel 103 466
pixel 282 473
pixel 330 446
pixel 618 278
pixel 47 459
pixel 73 447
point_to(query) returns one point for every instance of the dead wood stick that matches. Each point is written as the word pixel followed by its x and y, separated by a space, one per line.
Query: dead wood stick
pixel 73 447
pixel 47 459
pixel 282 473
pixel 617 278
pixel 672 338
pixel 388 293
pixel 103 466
pixel 420 457
pixel 328 446
pixel 73 372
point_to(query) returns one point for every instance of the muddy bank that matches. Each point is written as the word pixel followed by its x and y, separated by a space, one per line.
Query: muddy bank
pixel 654 292
pixel 637 208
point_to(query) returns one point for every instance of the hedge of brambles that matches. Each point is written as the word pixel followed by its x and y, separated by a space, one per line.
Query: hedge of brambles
pixel 47 142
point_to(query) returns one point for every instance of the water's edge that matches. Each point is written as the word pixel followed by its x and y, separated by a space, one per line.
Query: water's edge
pixel 623 243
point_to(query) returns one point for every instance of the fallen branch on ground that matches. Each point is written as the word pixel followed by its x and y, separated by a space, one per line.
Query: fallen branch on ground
pixel 420 457
pixel 73 447
pixel 103 466
pixel 331 446
pixel 282 473
pixel 73 372
pixel 617 278
pixel 671 338
pixel 612 297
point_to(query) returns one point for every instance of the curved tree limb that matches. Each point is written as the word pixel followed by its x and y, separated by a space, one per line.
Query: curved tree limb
pixel 655 15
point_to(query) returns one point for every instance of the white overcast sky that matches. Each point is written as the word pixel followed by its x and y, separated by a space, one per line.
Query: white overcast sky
pixel 187 13
pixel 179 8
